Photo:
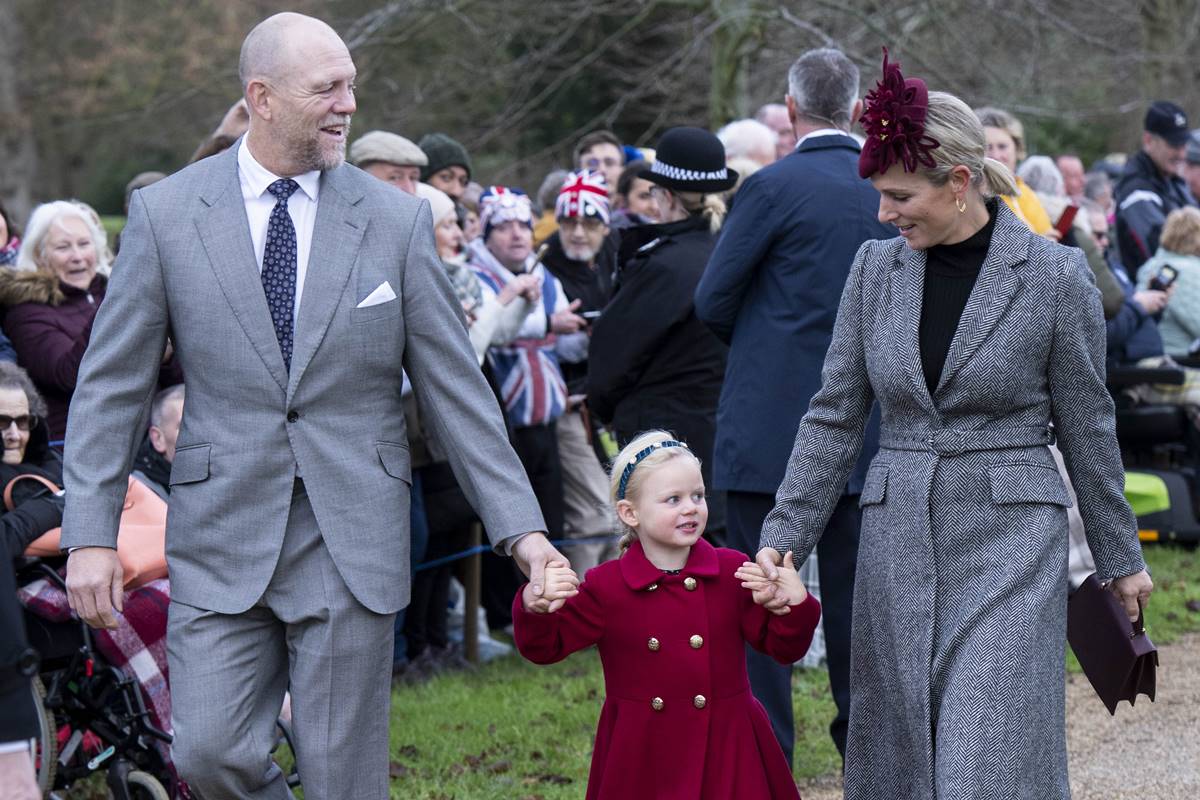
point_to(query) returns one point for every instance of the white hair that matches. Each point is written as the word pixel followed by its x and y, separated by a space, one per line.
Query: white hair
pixel 50 214
pixel 748 138
pixel 1042 175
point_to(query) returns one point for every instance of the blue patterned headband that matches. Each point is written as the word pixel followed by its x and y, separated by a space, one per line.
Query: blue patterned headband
pixel 639 458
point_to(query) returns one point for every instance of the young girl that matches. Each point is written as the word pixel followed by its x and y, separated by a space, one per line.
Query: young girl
pixel 671 622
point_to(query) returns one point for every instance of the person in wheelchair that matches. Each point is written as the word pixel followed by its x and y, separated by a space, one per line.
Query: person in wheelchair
pixel 26 447
pixel 1134 338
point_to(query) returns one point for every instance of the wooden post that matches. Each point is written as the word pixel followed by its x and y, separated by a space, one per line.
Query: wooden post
pixel 472 584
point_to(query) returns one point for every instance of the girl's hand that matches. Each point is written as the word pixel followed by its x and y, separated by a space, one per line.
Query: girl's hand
pixel 777 595
pixel 561 582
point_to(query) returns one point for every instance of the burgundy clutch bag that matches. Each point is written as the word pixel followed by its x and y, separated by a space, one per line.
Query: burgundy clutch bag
pixel 1118 657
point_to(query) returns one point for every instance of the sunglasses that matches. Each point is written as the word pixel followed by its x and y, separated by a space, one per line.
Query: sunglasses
pixel 24 422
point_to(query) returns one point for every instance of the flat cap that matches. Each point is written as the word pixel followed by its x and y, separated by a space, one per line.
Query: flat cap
pixel 388 147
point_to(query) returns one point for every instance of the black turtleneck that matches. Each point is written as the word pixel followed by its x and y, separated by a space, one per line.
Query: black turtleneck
pixel 950 274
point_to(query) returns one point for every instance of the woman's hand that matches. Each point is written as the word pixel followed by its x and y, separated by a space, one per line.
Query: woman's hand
pixel 567 321
pixel 1152 301
pixel 1134 591
pixel 561 582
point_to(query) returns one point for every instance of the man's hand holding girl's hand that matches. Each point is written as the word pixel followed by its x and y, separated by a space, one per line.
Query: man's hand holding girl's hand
pixel 560 581
pixel 778 594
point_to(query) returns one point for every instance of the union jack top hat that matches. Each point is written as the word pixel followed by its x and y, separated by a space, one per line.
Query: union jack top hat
pixel 690 160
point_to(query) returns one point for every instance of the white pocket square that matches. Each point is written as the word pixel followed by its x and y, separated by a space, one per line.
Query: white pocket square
pixel 383 294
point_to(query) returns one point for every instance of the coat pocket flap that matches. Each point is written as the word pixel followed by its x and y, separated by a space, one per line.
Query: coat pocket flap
pixel 395 459
pixel 1028 483
pixel 874 486
pixel 191 464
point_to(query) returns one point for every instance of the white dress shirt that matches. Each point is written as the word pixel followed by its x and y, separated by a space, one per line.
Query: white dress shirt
pixel 302 205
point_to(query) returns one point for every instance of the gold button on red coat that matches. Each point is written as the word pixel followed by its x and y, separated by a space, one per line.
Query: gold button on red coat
pixel 653 644
pixel 652 587
pixel 657 704
pixel 689 584
pixel 697 641
pixel 699 702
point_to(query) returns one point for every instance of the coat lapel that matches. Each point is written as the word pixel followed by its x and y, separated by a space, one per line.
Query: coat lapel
pixel 225 233
pixel 337 234
pixel 992 294
pixel 908 290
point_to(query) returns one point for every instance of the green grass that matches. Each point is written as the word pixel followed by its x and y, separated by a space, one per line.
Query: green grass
pixel 515 730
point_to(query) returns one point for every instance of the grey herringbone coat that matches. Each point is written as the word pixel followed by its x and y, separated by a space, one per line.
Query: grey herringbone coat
pixel 960 602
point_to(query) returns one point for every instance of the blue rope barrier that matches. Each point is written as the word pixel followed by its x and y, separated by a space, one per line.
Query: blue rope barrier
pixel 483 548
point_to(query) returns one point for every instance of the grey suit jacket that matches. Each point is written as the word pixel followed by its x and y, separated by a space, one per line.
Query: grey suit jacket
pixel 187 270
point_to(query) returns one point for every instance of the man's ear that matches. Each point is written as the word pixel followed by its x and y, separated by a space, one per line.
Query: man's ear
pixel 856 112
pixel 790 102
pixel 627 513
pixel 258 100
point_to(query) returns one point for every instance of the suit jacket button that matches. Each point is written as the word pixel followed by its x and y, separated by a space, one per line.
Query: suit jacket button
pixel 657 704
pixel 652 587
pixel 293 415
pixel 697 641
pixel 699 702
pixel 689 583
pixel 653 644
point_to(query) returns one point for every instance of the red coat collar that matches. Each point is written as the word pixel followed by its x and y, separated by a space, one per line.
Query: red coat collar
pixel 639 573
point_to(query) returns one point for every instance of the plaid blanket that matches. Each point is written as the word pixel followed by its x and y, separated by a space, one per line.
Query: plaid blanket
pixel 138 646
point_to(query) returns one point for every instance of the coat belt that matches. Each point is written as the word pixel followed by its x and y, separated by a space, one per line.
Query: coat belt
pixel 950 442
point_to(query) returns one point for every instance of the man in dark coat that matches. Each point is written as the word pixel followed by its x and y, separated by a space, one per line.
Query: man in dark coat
pixel 771 290
pixel 1150 187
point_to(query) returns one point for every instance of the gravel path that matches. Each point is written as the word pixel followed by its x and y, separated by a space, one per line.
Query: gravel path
pixel 1151 750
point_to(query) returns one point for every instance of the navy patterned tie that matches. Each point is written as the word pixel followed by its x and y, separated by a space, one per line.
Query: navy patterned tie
pixel 279 266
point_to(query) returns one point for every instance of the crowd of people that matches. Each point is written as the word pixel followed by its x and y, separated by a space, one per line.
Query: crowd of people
pixel 691 288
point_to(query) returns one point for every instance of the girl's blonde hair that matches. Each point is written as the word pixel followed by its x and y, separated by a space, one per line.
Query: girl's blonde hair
pixel 644 466
pixel 1181 232
pixel 961 141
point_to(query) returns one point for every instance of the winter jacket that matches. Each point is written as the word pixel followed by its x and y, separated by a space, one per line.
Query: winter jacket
pixel 50 324
pixel 591 285
pixel 1132 333
pixel 1180 322
pixel 1144 198
pixel 652 363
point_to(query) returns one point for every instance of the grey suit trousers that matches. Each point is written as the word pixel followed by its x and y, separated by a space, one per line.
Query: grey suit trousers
pixel 229 673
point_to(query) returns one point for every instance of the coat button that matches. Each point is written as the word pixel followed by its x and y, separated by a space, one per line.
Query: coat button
pixel 293 415
pixel 652 587
pixel 697 641
pixel 699 702
pixel 657 704
pixel 689 584
pixel 653 644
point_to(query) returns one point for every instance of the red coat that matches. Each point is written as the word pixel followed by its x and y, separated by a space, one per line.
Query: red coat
pixel 679 722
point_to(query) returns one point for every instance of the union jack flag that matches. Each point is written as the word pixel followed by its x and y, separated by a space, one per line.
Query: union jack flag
pixel 584 194
pixel 531 382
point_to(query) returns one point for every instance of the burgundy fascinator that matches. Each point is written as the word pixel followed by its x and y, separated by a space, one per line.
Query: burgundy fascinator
pixel 894 121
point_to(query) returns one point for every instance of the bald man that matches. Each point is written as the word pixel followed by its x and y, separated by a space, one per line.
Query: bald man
pixel 295 289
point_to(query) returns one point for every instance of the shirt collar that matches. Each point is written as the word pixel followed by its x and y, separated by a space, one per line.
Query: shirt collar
pixel 257 178
pixel 639 573
pixel 820 132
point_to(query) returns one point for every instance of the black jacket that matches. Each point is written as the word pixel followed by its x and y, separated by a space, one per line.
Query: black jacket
pixel 36 512
pixel 592 286
pixel 1144 198
pixel 653 363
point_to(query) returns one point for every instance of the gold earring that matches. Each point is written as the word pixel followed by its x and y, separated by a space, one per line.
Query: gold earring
pixel 960 204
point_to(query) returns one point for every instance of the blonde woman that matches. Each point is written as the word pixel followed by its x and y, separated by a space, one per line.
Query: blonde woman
pixel 1006 144
pixel 974 335
pixel 1179 249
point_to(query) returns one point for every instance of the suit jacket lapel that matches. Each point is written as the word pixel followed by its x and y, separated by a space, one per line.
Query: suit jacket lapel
pixel 908 282
pixel 992 294
pixel 225 233
pixel 337 234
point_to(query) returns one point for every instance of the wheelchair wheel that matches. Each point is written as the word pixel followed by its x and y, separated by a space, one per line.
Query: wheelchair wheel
pixel 144 786
pixel 45 747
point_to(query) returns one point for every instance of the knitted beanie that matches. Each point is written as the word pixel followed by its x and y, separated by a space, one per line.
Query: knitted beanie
pixel 442 152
